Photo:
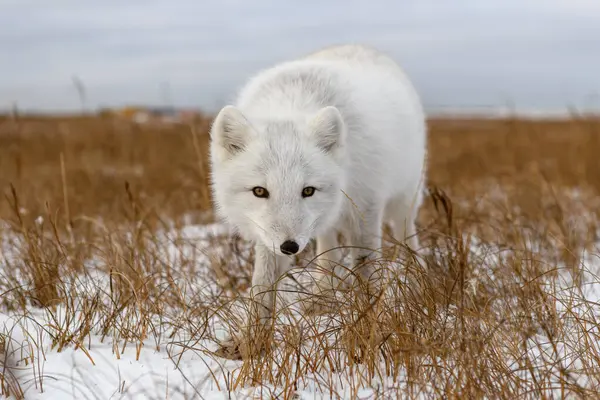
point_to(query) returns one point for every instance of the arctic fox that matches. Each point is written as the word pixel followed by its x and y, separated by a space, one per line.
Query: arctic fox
pixel 331 142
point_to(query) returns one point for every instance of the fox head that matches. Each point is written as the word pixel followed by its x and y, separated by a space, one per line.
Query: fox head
pixel 278 181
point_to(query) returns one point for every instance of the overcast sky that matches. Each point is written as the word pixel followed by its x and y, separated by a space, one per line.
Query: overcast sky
pixel 535 54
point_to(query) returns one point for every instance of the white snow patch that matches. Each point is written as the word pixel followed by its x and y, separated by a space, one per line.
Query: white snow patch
pixel 99 372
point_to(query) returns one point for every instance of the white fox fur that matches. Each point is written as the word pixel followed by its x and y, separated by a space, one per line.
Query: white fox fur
pixel 344 120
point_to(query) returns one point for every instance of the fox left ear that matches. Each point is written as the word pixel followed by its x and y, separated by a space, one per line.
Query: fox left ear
pixel 327 127
pixel 230 130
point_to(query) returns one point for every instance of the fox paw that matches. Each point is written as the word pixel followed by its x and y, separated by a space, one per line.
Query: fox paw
pixel 230 349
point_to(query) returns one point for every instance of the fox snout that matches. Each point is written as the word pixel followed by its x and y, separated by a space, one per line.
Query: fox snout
pixel 289 247
pixel 288 238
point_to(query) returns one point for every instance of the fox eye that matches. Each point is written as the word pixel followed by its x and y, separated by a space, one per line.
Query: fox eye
pixel 260 192
pixel 308 191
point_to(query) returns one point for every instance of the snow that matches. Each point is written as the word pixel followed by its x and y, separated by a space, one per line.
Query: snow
pixel 100 375
pixel 180 367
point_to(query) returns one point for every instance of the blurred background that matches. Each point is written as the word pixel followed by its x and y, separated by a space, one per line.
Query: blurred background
pixel 150 75
pixel 538 56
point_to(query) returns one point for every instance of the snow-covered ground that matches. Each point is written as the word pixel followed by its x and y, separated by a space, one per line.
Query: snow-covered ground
pixel 182 366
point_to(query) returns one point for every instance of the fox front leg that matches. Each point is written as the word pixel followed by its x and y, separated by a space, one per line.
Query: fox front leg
pixel 328 257
pixel 366 241
pixel 268 268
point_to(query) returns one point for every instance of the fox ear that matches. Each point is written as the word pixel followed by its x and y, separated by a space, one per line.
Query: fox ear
pixel 328 129
pixel 230 130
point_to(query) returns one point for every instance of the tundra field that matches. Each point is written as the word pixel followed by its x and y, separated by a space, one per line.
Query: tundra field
pixel 116 282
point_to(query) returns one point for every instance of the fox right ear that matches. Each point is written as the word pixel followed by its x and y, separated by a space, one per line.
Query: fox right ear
pixel 327 128
pixel 230 130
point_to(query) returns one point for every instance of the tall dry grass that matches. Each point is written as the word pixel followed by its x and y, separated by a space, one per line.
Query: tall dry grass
pixel 94 217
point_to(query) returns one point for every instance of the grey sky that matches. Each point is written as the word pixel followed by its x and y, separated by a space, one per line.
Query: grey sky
pixel 538 54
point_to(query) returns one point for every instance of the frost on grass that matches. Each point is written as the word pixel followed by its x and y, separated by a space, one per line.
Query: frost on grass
pixel 501 303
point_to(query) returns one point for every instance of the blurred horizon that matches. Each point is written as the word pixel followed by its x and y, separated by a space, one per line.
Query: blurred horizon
pixel 537 57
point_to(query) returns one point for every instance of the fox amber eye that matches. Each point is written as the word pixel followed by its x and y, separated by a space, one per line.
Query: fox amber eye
pixel 260 192
pixel 308 191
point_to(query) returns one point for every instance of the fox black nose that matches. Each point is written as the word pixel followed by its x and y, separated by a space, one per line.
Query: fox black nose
pixel 289 247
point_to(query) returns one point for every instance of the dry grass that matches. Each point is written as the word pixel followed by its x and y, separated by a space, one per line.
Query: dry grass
pixel 95 241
